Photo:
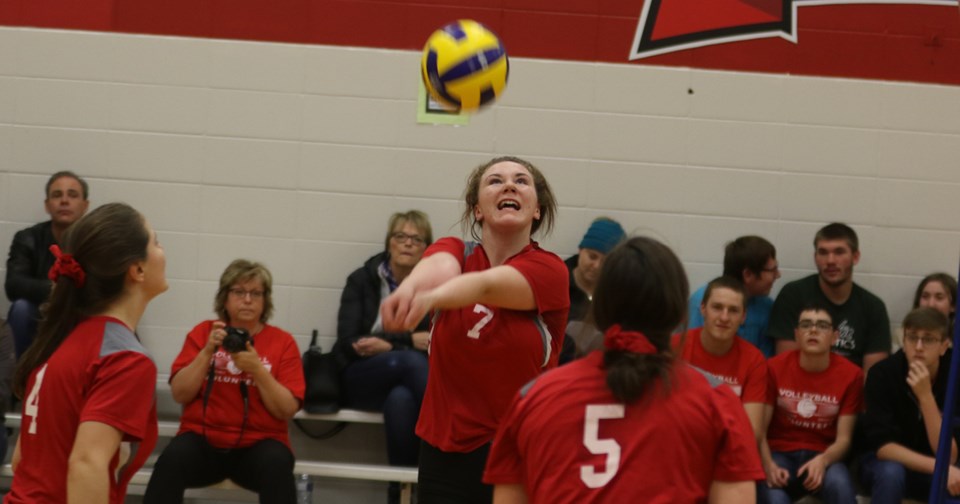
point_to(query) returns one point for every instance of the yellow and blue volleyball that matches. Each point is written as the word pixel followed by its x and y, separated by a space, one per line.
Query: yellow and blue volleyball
pixel 464 65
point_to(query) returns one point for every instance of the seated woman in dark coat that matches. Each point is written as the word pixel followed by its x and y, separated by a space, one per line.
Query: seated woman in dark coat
pixel 386 371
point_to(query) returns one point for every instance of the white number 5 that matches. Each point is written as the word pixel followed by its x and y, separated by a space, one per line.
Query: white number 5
pixel 479 308
pixel 32 406
pixel 597 446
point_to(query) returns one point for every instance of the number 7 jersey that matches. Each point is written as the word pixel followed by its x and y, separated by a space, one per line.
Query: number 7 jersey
pixel 481 355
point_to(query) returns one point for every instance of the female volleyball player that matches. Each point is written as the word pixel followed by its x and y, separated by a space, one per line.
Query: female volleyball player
pixel 629 423
pixel 502 307
pixel 86 382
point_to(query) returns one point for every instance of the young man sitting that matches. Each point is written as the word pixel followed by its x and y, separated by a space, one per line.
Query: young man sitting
pixel 718 349
pixel 904 396
pixel 815 396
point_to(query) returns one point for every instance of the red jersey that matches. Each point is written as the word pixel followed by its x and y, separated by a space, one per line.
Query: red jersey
pixel 481 355
pixel 100 373
pixel 568 440
pixel 743 368
pixel 224 417
pixel 807 405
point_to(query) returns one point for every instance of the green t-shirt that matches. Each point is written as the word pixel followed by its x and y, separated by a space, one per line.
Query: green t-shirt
pixel 862 321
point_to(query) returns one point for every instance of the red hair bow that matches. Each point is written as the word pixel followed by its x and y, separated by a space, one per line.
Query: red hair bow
pixel 627 341
pixel 67 266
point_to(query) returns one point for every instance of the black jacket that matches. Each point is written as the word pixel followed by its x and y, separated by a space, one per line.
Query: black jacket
pixel 893 415
pixel 28 263
pixel 579 303
pixel 359 307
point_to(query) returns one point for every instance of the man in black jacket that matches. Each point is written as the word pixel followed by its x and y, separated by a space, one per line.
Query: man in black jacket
pixel 27 285
pixel 904 395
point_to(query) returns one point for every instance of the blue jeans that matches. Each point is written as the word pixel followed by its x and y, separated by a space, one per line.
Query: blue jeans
pixel 22 319
pixel 392 382
pixel 891 482
pixel 836 488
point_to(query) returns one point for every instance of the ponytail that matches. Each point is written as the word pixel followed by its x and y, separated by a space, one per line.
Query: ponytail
pixel 641 293
pixel 102 245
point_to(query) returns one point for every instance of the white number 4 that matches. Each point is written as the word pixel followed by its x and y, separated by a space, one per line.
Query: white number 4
pixel 597 446
pixel 31 408
pixel 479 308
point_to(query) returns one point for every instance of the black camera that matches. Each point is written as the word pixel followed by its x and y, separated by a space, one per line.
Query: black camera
pixel 236 339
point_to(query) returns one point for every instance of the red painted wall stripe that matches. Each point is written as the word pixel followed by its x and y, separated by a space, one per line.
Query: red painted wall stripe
pixel 917 43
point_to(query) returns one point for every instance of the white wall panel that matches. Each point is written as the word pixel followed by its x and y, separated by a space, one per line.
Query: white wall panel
pixel 47 150
pixel 297 155
pixel 256 66
pixel 153 157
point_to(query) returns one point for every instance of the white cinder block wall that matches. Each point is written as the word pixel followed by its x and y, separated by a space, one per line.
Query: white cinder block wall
pixel 296 155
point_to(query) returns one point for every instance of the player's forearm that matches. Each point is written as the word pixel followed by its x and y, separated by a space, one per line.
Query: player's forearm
pixel 87 483
pixel 431 272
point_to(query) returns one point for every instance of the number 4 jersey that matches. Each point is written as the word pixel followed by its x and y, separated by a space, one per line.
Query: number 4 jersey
pixel 568 440
pixel 481 355
pixel 100 373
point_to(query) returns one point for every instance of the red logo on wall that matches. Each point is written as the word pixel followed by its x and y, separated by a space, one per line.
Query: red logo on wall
pixel 667 25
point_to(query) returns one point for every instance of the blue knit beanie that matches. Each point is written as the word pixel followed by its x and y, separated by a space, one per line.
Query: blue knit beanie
pixel 603 235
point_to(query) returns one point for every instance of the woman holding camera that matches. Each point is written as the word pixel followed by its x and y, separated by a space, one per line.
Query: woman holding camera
pixel 240 380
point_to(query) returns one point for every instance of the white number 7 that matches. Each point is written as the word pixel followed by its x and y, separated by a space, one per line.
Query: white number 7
pixel 32 406
pixel 479 308
pixel 597 446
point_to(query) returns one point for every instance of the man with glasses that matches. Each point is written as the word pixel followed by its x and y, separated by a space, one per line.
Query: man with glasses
pixel 815 396
pixel 861 317
pixel 905 394
pixel 27 285
pixel 753 261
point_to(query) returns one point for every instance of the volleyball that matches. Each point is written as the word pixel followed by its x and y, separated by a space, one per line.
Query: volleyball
pixel 464 65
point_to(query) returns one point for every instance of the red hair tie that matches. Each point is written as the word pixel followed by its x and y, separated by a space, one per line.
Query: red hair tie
pixel 627 341
pixel 67 266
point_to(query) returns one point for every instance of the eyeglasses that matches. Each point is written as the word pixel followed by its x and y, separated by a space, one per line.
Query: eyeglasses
pixel 912 339
pixel 401 237
pixel 771 270
pixel 241 294
pixel 809 325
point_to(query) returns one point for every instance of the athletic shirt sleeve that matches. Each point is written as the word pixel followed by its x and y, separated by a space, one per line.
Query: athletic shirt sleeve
pixel 755 388
pixel 784 312
pixel 194 342
pixel 737 458
pixel 450 245
pixel 290 372
pixel 880 338
pixel 852 402
pixel 122 393
pixel 547 276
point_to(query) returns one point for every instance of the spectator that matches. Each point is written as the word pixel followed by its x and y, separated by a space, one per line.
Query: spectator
pixel 27 285
pixel 237 394
pixel 753 261
pixel 581 338
pixel 860 316
pixel 386 371
pixel 939 291
pixel 717 349
pixel 815 396
pixel 905 396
